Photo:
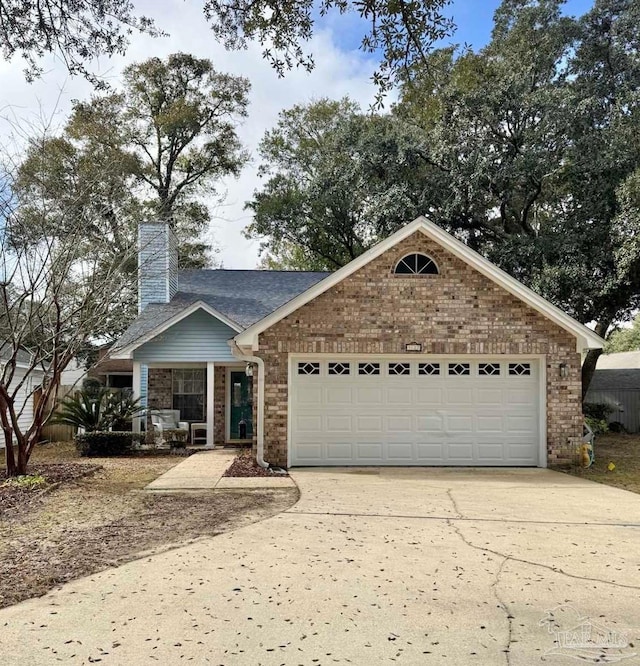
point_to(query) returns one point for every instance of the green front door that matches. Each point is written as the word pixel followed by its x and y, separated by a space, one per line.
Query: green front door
pixel 241 400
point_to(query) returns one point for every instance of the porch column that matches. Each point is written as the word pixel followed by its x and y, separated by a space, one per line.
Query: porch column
pixel 137 391
pixel 211 376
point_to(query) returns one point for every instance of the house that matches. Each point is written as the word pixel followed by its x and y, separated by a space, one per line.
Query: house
pixel 616 382
pixel 23 385
pixel 112 373
pixel 418 352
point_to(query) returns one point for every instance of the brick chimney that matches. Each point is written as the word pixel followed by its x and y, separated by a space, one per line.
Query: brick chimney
pixel 157 263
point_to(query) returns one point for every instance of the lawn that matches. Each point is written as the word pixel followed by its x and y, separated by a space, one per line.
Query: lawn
pixel 59 532
pixel 621 450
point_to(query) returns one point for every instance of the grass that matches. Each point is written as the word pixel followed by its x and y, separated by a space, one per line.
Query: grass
pixel 91 522
pixel 621 450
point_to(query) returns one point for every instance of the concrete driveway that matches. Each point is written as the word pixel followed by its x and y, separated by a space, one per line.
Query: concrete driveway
pixel 410 566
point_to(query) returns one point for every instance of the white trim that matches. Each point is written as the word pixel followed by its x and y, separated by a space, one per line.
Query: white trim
pixel 540 359
pixel 136 384
pixel 586 338
pixel 227 409
pixel 210 384
pixel 127 352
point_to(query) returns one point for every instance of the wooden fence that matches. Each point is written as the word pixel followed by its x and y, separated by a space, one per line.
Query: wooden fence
pixel 54 432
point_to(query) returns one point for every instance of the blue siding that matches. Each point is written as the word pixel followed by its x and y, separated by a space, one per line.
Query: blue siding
pixel 144 378
pixel 198 337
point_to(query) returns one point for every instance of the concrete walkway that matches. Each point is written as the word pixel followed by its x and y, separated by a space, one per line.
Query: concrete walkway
pixel 373 566
pixel 204 470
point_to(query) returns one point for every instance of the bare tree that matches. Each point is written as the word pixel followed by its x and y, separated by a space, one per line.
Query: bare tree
pixel 55 292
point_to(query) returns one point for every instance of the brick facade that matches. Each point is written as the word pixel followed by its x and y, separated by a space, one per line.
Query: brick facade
pixel 459 311
pixel 160 396
pixel 219 395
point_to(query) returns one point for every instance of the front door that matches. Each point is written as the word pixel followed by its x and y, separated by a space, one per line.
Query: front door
pixel 241 401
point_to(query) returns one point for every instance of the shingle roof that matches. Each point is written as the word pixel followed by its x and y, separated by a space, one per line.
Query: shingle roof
pixel 627 378
pixel 242 296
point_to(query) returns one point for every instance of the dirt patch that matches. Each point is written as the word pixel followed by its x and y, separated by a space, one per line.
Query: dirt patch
pixel 93 522
pixel 245 465
pixel 621 450
pixel 18 494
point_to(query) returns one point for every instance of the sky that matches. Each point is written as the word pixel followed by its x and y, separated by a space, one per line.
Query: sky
pixel 341 69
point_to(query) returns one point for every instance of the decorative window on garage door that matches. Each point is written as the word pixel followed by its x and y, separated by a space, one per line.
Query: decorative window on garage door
pixel 308 368
pixel 489 369
pixel 336 368
pixel 459 369
pixel 519 369
pixel 368 369
pixel 399 369
pixel 428 368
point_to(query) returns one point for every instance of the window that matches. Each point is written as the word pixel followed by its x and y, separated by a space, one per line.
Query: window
pixel 308 368
pixel 189 393
pixel 428 368
pixel 339 368
pixel 459 369
pixel 368 368
pixel 399 369
pixel 416 264
pixel 489 369
pixel 519 369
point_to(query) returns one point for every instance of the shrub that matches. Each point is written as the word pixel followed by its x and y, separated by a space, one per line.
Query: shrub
pixel 597 410
pixel 106 443
pixel 98 409
pixel 599 426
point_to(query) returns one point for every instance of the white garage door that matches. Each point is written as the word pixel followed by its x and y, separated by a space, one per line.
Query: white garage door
pixel 440 411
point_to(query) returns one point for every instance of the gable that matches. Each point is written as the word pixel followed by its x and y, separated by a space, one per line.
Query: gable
pixel 457 310
pixel 439 242
pixel 197 337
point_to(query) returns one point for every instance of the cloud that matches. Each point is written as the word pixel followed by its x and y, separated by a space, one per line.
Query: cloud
pixel 338 72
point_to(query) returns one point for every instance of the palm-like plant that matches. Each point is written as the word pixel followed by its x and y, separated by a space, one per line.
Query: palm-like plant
pixel 94 409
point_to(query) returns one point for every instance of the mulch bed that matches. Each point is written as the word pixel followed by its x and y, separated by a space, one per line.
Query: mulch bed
pixel 54 474
pixel 245 465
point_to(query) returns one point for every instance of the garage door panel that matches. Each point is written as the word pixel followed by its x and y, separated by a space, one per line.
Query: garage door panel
pixel 415 418
pixel 459 396
pixel 401 451
pixel 369 396
pixel 369 450
pixel 430 423
pixel 460 452
pixel 428 396
pixel 309 423
pixel 340 451
pixel 309 451
pixel 521 423
pixel 339 423
pixel 369 423
pixel 308 395
pixel 338 395
pixel 430 451
pixel 400 423
pixel 490 424
pixel 460 423
pixel 397 395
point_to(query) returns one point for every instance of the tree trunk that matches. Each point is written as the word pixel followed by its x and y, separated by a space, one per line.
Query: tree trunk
pixel 588 368
pixel 589 365
pixel 10 457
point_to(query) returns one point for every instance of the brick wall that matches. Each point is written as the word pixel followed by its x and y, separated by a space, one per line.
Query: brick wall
pixel 459 311
pixel 219 383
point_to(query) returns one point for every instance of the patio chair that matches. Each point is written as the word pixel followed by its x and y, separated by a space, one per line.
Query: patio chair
pixel 164 421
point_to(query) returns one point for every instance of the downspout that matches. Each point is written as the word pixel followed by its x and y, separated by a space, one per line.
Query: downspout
pixel 237 352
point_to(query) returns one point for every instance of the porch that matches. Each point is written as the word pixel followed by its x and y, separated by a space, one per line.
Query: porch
pixel 215 399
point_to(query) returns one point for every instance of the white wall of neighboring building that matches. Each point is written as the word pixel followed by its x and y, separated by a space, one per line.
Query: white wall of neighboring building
pixel 25 398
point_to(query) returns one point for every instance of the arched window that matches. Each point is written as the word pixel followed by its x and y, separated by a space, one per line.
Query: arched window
pixel 416 264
